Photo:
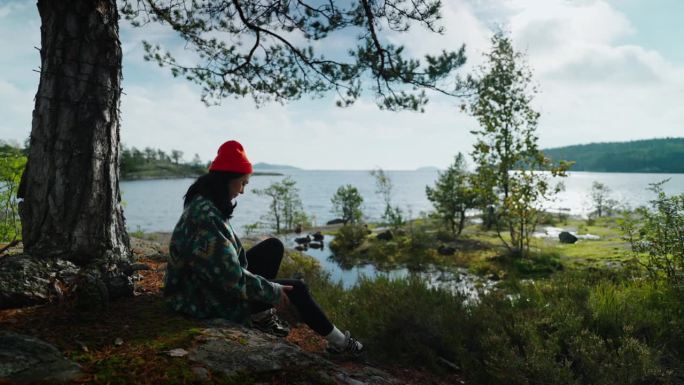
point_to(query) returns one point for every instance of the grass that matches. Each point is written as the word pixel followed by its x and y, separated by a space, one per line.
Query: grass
pixel 482 252
pixel 572 323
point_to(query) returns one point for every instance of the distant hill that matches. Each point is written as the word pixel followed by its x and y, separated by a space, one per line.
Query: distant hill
pixel 651 155
pixel 427 168
pixel 268 166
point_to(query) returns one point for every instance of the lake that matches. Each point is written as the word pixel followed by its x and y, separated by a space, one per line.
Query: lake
pixel 156 205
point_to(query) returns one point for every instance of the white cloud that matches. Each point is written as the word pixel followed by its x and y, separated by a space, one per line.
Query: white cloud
pixel 15 8
pixel 461 26
pixel 359 137
pixel 16 105
pixel 593 88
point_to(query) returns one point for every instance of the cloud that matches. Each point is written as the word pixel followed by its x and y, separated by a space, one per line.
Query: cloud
pixel 16 105
pixel 14 8
pixel 359 137
pixel 461 26
pixel 593 88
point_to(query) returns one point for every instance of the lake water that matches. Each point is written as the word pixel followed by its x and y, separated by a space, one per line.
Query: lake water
pixel 457 280
pixel 156 205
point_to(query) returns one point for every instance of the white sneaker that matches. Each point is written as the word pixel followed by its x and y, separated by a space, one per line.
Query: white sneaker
pixel 350 347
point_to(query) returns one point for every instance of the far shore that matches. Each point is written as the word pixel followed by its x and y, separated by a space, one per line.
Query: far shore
pixel 163 177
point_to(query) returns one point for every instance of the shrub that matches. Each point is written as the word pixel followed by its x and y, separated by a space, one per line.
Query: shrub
pixel 576 328
pixel 286 210
pixel 658 232
pixel 12 164
pixel 348 238
pixel 403 321
pixel 453 195
pixel 347 203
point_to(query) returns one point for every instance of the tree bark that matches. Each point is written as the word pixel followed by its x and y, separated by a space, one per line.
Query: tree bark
pixel 461 222
pixel 71 201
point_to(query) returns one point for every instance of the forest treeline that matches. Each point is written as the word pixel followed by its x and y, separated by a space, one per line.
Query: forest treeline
pixel 134 163
pixel 151 163
pixel 652 155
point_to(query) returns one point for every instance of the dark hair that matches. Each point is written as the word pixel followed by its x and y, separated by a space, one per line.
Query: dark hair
pixel 214 186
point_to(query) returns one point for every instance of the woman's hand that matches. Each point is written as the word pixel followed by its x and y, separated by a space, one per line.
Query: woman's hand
pixel 284 299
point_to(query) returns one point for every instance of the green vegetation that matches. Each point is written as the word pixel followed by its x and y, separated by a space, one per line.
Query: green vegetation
pixel 601 200
pixel 507 140
pixel 154 163
pixel 393 215
pixel 599 311
pixel 658 232
pixel 288 68
pixel 12 164
pixel 568 326
pixel 347 204
pixel 653 155
pixel 592 315
pixel 453 195
pixel 286 206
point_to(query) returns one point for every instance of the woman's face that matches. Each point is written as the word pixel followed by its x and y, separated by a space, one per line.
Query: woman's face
pixel 237 186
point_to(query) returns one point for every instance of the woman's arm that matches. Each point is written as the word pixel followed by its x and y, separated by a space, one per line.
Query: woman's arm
pixel 217 263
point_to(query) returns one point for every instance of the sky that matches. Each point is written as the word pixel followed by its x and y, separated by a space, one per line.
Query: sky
pixel 606 70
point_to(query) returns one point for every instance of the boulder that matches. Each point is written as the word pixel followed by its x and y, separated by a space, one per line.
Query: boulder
pixel 318 236
pixel 28 359
pixel 316 245
pixel 233 349
pixel 566 237
pixel 303 240
pixel 336 221
pixel 446 250
pixel 26 281
pixel 385 235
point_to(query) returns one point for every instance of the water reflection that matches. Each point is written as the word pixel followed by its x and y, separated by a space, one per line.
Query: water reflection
pixel 350 271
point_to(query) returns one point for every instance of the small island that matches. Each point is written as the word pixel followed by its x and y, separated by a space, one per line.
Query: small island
pixel 156 164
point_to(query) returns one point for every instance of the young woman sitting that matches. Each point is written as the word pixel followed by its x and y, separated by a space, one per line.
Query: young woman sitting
pixel 210 274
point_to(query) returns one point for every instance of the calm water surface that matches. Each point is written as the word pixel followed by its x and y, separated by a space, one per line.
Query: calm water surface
pixel 157 204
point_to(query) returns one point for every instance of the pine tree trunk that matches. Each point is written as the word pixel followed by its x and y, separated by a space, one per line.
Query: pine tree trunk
pixel 71 201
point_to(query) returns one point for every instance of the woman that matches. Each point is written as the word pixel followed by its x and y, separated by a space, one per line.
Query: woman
pixel 209 273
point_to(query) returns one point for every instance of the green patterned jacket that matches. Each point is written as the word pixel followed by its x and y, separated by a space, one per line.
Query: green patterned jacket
pixel 206 276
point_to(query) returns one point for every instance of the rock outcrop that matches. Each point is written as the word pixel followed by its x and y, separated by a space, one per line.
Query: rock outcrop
pixel 220 347
pixel 26 281
pixel 233 349
pixel 566 237
pixel 28 359
pixel 386 235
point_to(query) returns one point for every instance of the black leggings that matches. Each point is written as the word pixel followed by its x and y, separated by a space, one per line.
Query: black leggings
pixel 264 259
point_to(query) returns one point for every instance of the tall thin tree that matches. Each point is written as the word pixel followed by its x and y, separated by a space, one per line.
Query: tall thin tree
pixel 506 153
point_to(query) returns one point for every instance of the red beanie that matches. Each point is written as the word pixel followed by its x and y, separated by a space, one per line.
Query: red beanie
pixel 231 157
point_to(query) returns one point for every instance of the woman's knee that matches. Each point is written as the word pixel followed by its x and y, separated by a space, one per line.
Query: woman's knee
pixel 299 287
pixel 275 245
